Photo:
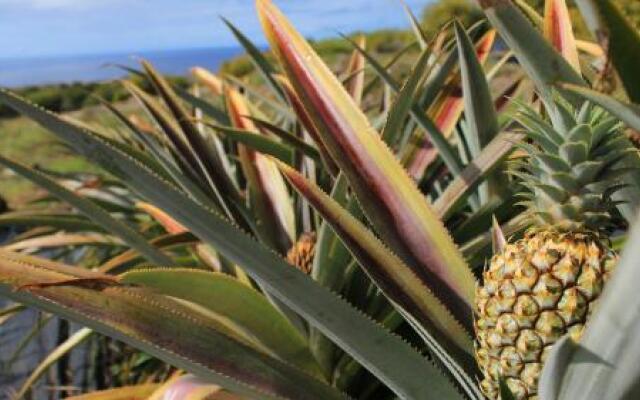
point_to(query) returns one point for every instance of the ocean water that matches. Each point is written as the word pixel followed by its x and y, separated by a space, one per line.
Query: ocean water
pixel 99 67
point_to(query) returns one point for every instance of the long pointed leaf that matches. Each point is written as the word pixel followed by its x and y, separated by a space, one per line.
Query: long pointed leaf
pixel 479 167
pixel 404 101
pixel 308 125
pixel 256 142
pixel 445 111
pixel 268 193
pixel 164 241
pixel 208 160
pixel 398 281
pixel 184 154
pixel 264 67
pixel 436 138
pixel 231 299
pixel 418 32
pixel 355 72
pixel 480 114
pixel 629 113
pixel 388 196
pixel 188 387
pixel 544 65
pixel 288 138
pixel 67 222
pixel 559 31
pixel 61 239
pixel 210 80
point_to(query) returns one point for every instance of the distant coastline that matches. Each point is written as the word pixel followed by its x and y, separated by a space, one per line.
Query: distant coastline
pixel 20 72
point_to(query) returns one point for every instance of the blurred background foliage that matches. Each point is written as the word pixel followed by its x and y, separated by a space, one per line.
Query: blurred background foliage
pixel 440 12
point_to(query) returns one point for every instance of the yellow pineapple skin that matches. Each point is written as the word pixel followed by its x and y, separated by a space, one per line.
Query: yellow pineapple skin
pixel 535 291
pixel 302 252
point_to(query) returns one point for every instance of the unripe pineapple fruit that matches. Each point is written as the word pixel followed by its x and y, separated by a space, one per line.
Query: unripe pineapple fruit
pixel 302 252
pixel 546 284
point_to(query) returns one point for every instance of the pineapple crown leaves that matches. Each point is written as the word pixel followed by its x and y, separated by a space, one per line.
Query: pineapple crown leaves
pixel 572 166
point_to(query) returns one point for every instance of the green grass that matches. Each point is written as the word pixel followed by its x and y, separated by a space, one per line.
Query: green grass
pixel 23 140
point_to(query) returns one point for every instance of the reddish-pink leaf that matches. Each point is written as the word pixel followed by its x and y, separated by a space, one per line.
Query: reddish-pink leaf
pixel 558 30
pixel 307 123
pixel 445 112
pixel 208 79
pixel 355 71
pixel 164 219
pixel 389 197
pixel 394 278
pixel 268 193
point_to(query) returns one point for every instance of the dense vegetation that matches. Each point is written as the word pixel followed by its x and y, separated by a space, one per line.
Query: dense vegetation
pixel 74 96
pixel 444 235
pixel 440 12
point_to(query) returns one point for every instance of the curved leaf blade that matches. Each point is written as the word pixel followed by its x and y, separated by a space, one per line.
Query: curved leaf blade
pixel 398 281
pixel 264 67
pixel 268 193
pixel 67 222
pixel 435 137
pixel 209 79
pixel 207 160
pixel 405 99
pixel 355 72
pixel 307 124
pixel 152 323
pixel 255 142
pixel 478 168
pixel 558 30
pixel 163 241
pixel 445 110
pixel 479 110
pixel 543 64
pixel 169 224
pixel 231 299
pixel 188 387
pixel 480 113
pixel 388 196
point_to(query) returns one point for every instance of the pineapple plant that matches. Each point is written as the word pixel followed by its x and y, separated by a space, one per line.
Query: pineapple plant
pixel 546 284
pixel 398 183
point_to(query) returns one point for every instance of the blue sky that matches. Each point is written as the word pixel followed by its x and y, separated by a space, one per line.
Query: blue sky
pixel 31 28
